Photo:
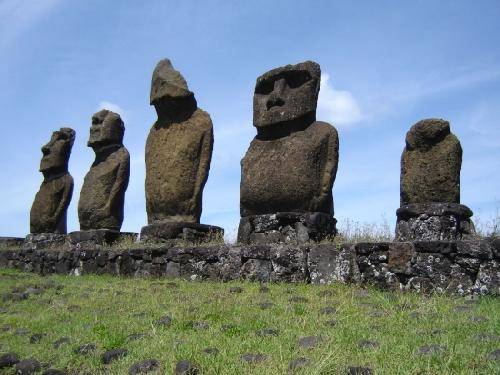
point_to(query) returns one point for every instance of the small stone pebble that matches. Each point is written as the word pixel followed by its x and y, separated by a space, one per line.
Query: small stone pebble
pixel 309 342
pixel 298 363
pixel 27 366
pixel 37 337
pixel 494 355
pixel 267 332
pixel 135 336
pixel 431 349
pixel 228 327
pixel 186 367
pixel 85 349
pixel 478 319
pixel 164 321
pixel 367 344
pixel 331 323
pixel 328 310
pixel 462 308
pixel 485 337
pixel 21 332
pixel 235 289
pixel 8 360
pixel 60 342
pixel 143 367
pixel 358 370
pixel 326 293
pixel 112 355
pixel 210 350
pixel 200 325
pixel 253 357
pixel 53 371
pixel 265 305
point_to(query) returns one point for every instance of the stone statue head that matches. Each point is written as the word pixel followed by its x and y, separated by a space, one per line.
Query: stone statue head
pixel 56 153
pixel 107 129
pixel 427 133
pixel 286 94
pixel 170 93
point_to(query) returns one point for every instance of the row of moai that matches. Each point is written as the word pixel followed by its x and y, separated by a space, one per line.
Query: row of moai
pixel 287 174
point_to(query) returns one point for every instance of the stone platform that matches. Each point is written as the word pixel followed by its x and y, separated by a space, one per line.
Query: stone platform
pixel 286 227
pixel 181 231
pixel 434 222
pixel 457 267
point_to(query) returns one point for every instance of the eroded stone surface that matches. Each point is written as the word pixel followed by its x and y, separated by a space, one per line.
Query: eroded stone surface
pixel 178 150
pixel 103 191
pixel 48 212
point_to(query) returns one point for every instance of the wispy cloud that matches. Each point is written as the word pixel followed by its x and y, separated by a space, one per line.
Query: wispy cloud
pixel 336 106
pixel 17 16
pixel 125 115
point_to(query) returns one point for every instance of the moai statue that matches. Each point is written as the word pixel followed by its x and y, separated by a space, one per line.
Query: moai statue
pixel 288 171
pixel 100 207
pixel 430 185
pixel 48 212
pixel 178 155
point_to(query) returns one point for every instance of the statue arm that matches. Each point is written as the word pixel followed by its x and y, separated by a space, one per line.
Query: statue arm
pixel 120 183
pixel 330 169
pixel 206 147
pixel 67 193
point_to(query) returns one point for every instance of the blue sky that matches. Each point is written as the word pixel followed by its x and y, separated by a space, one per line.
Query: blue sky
pixel 385 65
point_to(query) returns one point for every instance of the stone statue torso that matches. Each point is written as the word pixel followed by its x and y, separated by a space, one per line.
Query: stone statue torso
pixel 48 212
pixel 177 162
pixel 290 174
pixel 103 192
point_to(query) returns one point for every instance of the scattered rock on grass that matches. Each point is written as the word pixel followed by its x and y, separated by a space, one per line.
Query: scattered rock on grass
pixel 8 360
pixel 309 342
pixel 210 351
pixel 478 319
pixel 358 370
pixel 328 310
pixel 494 355
pixel 186 367
pixel 298 363
pixel 485 337
pixel 112 355
pixel 462 308
pixel 143 367
pixel 431 349
pixel 85 349
pixel 368 344
pixel 21 332
pixel 235 289
pixel 267 332
pixel 27 366
pixel 253 357
pixel 60 342
pixel 326 293
pixel 135 336
pixel 164 321
pixel 53 371
pixel 200 325
pixel 265 305
pixel 264 289
pixel 228 327
pixel 37 337
pixel 298 299
pixel 331 323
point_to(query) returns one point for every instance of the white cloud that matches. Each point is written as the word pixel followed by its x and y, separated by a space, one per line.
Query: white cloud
pixel 115 108
pixel 336 106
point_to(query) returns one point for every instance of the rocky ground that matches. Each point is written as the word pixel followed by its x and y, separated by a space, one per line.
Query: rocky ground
pixel 111 325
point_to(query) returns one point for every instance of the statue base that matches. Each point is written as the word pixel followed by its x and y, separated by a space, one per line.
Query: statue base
pixel 38 241
pixel 434 222
pixel 174 231
pixel 97 237
pixel 286 227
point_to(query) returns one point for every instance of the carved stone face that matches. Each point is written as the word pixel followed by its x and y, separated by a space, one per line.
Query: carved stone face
pixel 56 152
pixel 107 129
pixel 286 94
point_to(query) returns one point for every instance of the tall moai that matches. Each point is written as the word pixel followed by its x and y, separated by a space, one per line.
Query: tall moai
pixel 178 155
pixel 103 191
pixel 287 174
pixel 48 212
pixel 430 185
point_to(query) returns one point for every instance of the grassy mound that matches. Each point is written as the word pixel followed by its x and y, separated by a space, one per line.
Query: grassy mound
pixel 242 328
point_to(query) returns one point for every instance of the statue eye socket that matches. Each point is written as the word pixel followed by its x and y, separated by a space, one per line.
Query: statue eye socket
pixel 297 78
pixel 264 87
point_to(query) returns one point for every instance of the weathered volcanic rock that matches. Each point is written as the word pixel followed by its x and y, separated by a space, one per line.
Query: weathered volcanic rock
pixel 103 191
pixel 430 164
pixel 178 150
pixel 48 212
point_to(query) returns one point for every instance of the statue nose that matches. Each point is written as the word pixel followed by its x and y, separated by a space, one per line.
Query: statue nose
pixel 279 86
pixel 276 97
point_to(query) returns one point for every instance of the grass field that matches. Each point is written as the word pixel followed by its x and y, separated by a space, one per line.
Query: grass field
pixel 391 333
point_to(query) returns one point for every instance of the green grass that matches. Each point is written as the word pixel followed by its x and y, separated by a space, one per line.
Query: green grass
pixel 104 310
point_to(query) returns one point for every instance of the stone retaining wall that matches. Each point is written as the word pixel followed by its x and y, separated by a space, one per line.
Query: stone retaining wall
pixel 463 267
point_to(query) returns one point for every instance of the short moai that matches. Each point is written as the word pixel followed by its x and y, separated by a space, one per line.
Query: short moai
pixel 101 203
pixel 178 155
pixel 287 174
pixel 48 212
pixel 430 185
